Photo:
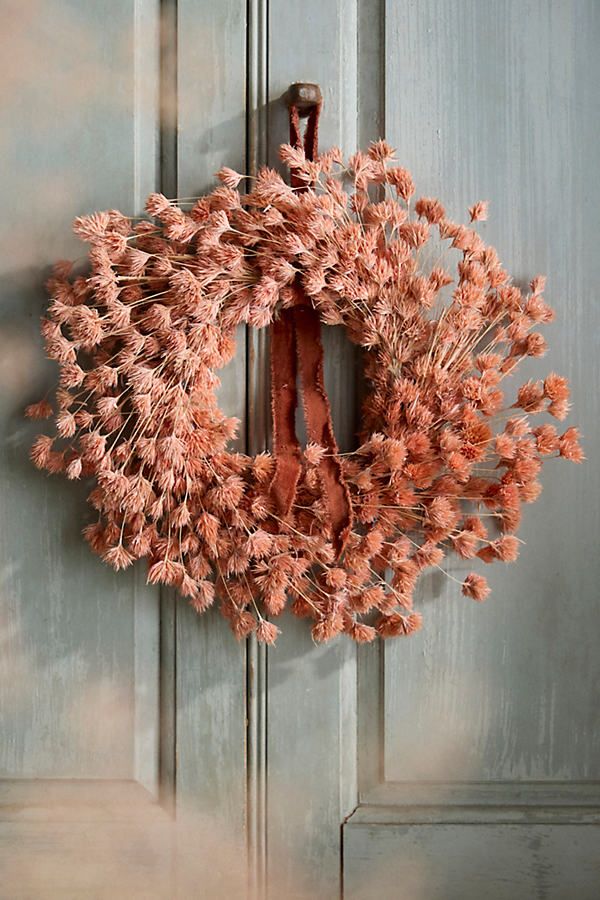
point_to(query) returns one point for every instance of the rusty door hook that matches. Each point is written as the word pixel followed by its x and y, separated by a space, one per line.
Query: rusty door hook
pixel 304 96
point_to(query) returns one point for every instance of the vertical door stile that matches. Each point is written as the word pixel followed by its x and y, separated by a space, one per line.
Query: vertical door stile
pixel 257 438
pixel 311 702
pixel 167 177
pixel 371 126
pixel 211 713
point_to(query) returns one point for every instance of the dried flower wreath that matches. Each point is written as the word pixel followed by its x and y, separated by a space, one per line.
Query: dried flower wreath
pixel 344 536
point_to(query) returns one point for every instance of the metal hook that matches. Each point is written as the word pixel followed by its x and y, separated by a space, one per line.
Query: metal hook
pixel 304 96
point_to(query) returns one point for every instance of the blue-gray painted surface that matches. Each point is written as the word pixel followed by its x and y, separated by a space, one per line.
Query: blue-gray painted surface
pixel 143 752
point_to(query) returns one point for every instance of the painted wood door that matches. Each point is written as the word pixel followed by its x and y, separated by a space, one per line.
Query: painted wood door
pixel 122 717
pixel 143 753
pixel 478 740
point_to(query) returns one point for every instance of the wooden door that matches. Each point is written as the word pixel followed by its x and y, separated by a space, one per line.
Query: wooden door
pixel 122 716
pixel 143 752
pixel 478 740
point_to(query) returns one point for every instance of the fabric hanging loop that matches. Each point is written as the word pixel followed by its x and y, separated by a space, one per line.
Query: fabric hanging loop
pixel 296 347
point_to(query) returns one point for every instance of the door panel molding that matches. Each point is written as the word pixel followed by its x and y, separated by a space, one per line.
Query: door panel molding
pixel 257 440
pixel 488 801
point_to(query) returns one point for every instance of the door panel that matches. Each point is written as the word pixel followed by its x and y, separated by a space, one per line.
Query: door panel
pixel 470 861
pixel 489 713
pixel 79 660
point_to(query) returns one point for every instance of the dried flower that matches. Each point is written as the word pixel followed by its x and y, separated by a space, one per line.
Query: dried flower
pixel 476 587
pixel 118 557
pixel 41 410
pixel 140 340
pixel 229 177
pixel 479 211
pixel 266 632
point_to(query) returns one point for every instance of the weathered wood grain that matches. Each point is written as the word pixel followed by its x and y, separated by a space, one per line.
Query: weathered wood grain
pixel 467 862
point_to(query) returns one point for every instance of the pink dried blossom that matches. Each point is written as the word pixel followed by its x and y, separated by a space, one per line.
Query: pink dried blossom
pixel 476 587
pixel 479 211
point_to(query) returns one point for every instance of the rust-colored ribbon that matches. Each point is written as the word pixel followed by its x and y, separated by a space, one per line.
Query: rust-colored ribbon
pixel 296 346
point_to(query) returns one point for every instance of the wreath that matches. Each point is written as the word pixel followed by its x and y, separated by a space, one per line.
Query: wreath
pixel 443 463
